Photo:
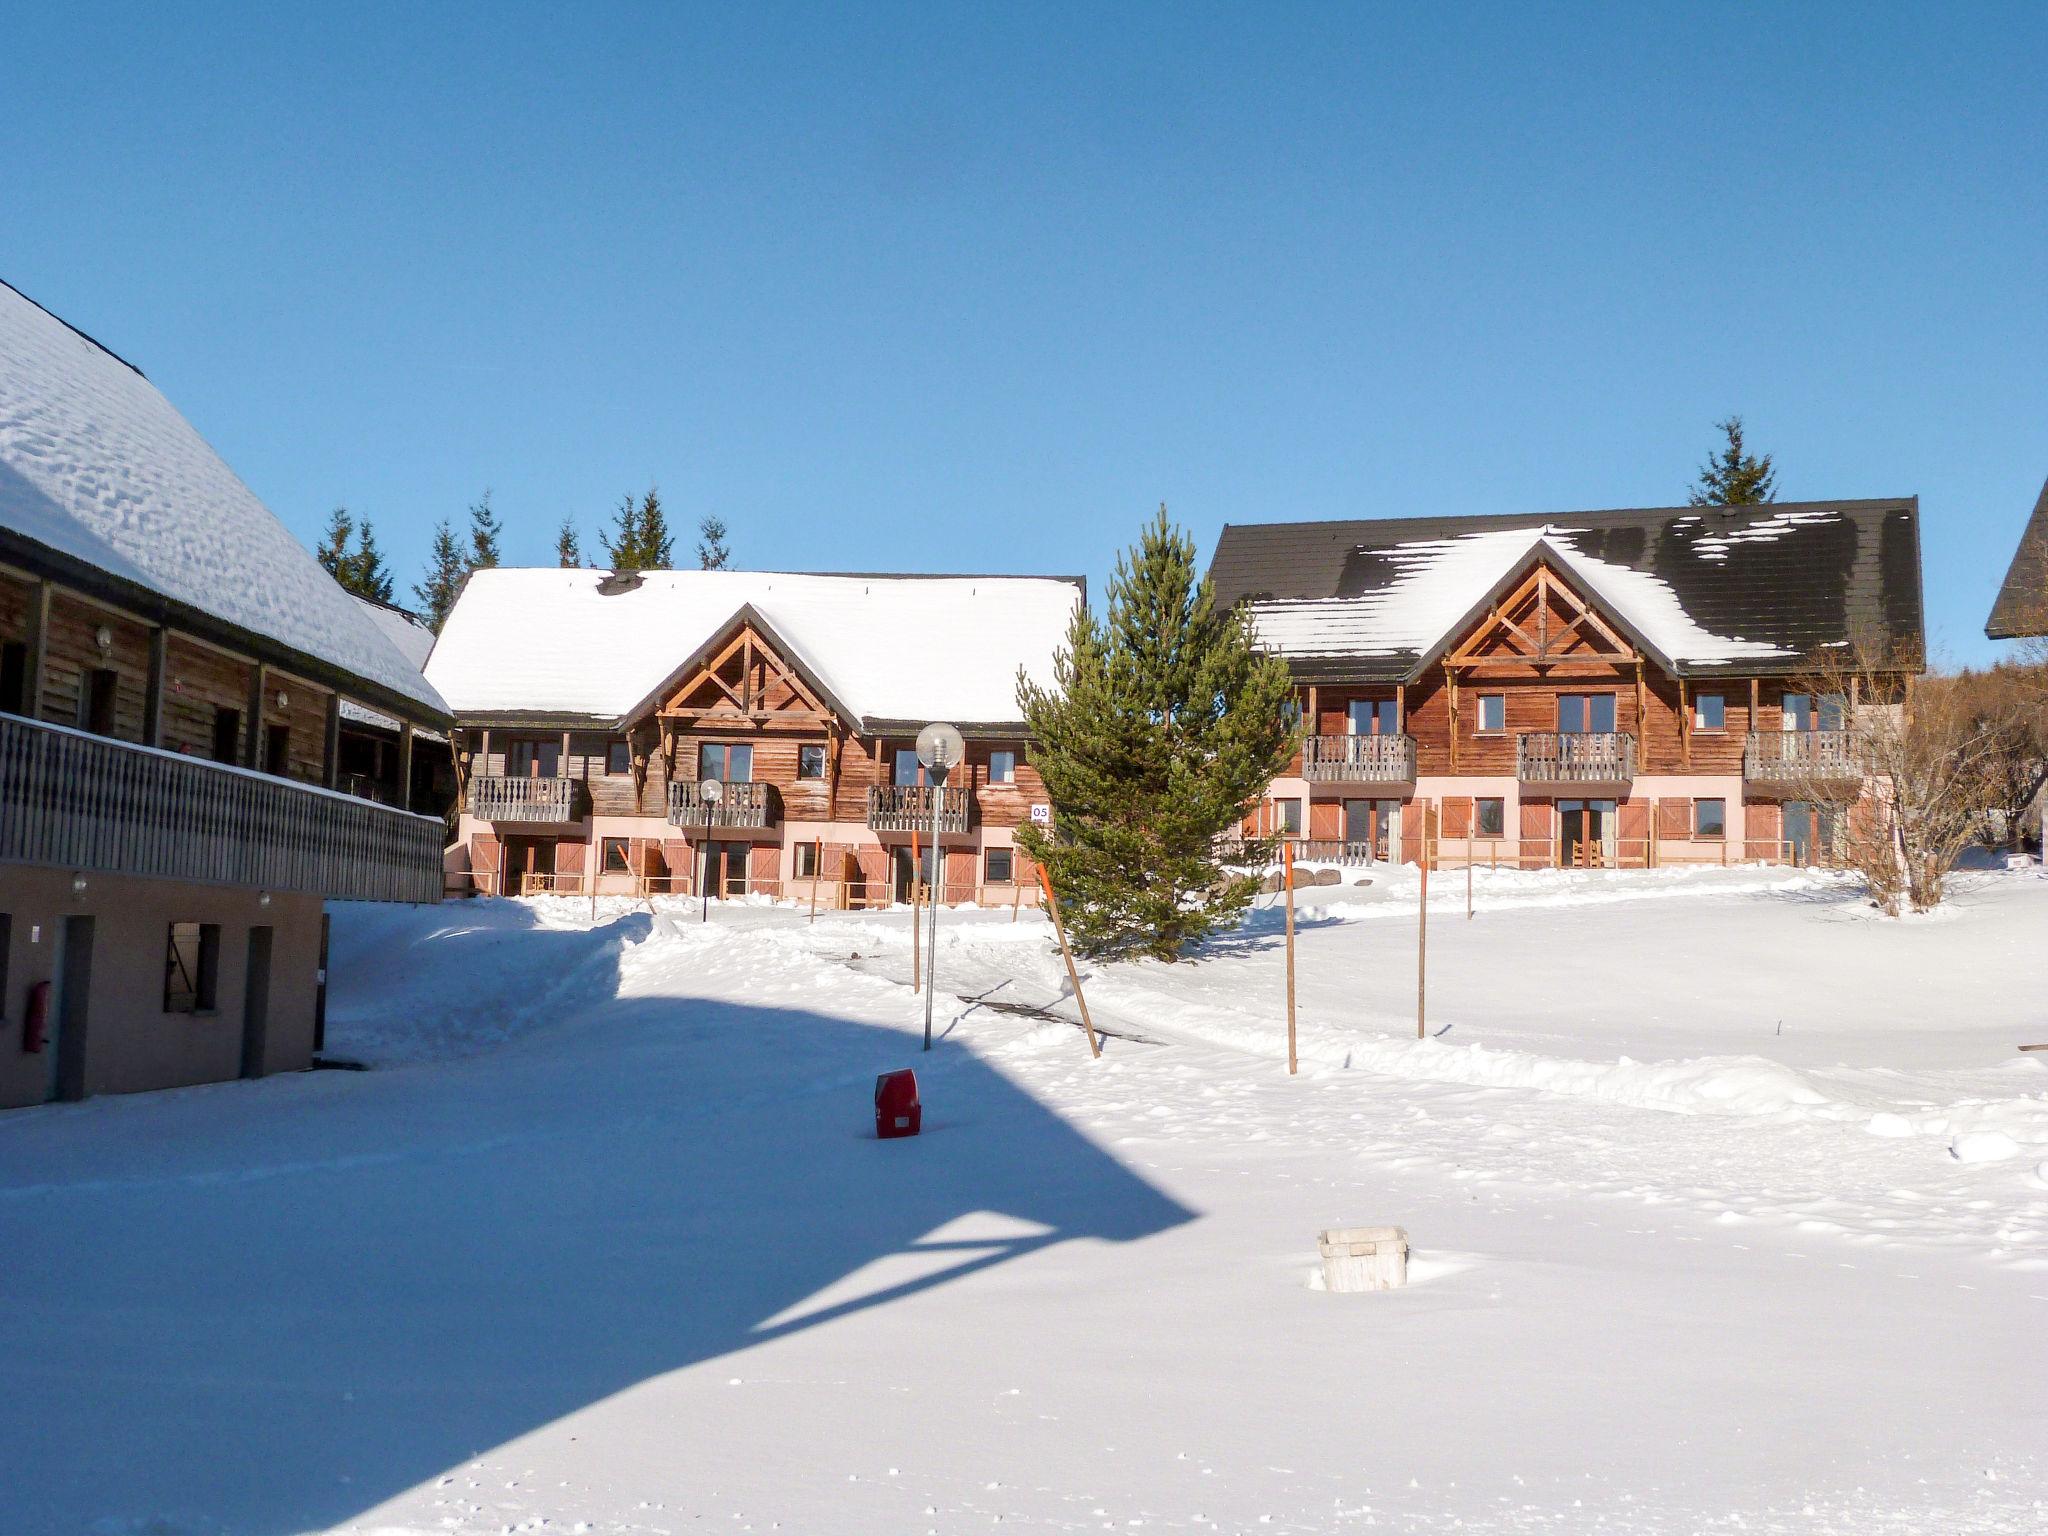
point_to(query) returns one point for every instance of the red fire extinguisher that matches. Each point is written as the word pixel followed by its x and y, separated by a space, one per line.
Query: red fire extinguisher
pixel 35 1025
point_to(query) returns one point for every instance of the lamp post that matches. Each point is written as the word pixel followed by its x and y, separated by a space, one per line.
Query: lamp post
pixel 940 749
pixel 710 791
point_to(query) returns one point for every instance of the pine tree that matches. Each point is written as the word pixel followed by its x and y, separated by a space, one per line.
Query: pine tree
pixel 1732 478
pixel 622 546
pixel 1164 727
pixel 447 569
pixel 332 552
pixel 712 555
pixel 656 547
pixel 483 535
pixel 359 570
pixel 568 551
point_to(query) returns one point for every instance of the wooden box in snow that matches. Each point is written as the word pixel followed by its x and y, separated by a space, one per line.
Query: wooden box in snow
pixel 1364 1258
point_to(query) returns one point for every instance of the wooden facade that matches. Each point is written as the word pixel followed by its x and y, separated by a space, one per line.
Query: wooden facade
pixel 820 808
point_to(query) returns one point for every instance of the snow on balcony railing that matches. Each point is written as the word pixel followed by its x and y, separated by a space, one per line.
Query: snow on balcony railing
pixel 1575 757
pixel 1388 759
pixel 79 801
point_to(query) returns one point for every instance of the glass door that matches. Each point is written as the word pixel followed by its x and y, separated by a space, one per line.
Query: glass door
pixel 1372 717
pixel 729 762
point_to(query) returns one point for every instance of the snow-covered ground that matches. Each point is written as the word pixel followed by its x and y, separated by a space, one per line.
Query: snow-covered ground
pixel 1729 1202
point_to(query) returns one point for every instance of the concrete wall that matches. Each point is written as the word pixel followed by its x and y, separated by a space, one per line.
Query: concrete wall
pixel 131 1043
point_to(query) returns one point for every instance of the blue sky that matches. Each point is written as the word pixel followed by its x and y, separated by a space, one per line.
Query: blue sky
pixel 945 287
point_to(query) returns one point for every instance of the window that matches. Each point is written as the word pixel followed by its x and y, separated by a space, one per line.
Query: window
pixel 1002 767
pixel 531 759
pixel 999 866
pixel 277 749
pixel 1583 713
pixel 96 687
pixel 1709 711
pixel 618 759
pixel 734 763
pixel 810 762
pixel 1493 712
pixel 614 857
pixel 1810 712
pixel 227 733
pixel 1372 717
pixel 1489 817
pixel 1710 818
pixel 1284 817
pixel 908 768
pixel 807 858
pixel 191 967
pixel 14 677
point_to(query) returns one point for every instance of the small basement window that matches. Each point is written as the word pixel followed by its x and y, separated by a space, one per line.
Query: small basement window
pixel 1709 711
pixel 1002 766
pixel 1490 817
pixel 191 967
pixel 1493 712
pixel 1000 866
pixel 614 853
pixel 1710 818
pixel 810 762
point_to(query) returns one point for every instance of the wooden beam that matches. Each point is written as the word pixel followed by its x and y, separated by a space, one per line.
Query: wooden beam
pixel 153 687
pixel 38 650
pixel 252 723
pixel 1684 734
pixel 405 765
pixel 330 743
pixel 1451 682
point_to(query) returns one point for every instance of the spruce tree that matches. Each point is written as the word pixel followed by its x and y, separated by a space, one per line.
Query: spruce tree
pixel 712 555
pixel 568 551
pixel 622 545
pixel 656 546
pixel 1163 729
pixel 1732 478
pixel 359 570
pixel 446 571
pixel 332 552
pixel 483 534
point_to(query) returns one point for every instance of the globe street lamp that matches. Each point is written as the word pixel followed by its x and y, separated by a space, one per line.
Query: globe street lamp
pixel 940 749
pixel 710 792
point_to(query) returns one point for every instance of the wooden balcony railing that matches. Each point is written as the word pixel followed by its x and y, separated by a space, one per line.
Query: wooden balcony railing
pixel 1575 757
pixel 1358 759
pixel 1792 756
pixel 908 808
pixel 499 797
pixel 741 805
pixel 85 802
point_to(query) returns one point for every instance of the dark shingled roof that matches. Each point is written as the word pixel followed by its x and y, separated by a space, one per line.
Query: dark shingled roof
pixel 2019 611
pixel 1795 575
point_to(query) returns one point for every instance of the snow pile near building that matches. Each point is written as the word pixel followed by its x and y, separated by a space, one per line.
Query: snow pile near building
pixel 96 464
pixel 885 647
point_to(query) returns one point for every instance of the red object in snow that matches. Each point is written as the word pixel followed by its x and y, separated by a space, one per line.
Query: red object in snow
pixel 897 1110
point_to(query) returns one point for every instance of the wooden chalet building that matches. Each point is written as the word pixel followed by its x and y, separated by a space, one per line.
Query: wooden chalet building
pixel 591 705
pixel 2021 609
pixel 174 667
pixel 1624 688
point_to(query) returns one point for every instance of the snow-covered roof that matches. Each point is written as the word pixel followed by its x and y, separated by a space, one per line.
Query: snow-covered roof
pixel 96 464
pixel 888 648
pixel 1700 588
pixel 407 631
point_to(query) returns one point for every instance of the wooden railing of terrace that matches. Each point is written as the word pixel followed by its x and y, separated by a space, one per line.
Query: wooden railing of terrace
pixel 499 797
pixel 1575 757
pixel 1386 759
pixel 908 808
pixel 740 805
pixel 79 801
pixel 1802 756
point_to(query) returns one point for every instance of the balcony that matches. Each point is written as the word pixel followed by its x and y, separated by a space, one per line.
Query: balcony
pixel 1575 757
pixel 1358 759
pixel 1803 757
pixel 742 805
pixel 78 801
pixel 908 808
pixel 496 797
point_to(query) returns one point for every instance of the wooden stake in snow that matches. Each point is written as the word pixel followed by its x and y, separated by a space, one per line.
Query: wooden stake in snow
pixel 817 874
pixel 1422 934
pixel 1468 880
pixel 916 927
pixel 1287 863
pixel 1074 976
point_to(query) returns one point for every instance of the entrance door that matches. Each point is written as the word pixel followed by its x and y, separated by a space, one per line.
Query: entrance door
pixel 725 869
pixel 256 1003
pixel 1369 826
pixel 524 857
pixel 68 1008
pixel 1585 833
pixel 1809 832
pixel 901 869
pixel 1371 717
